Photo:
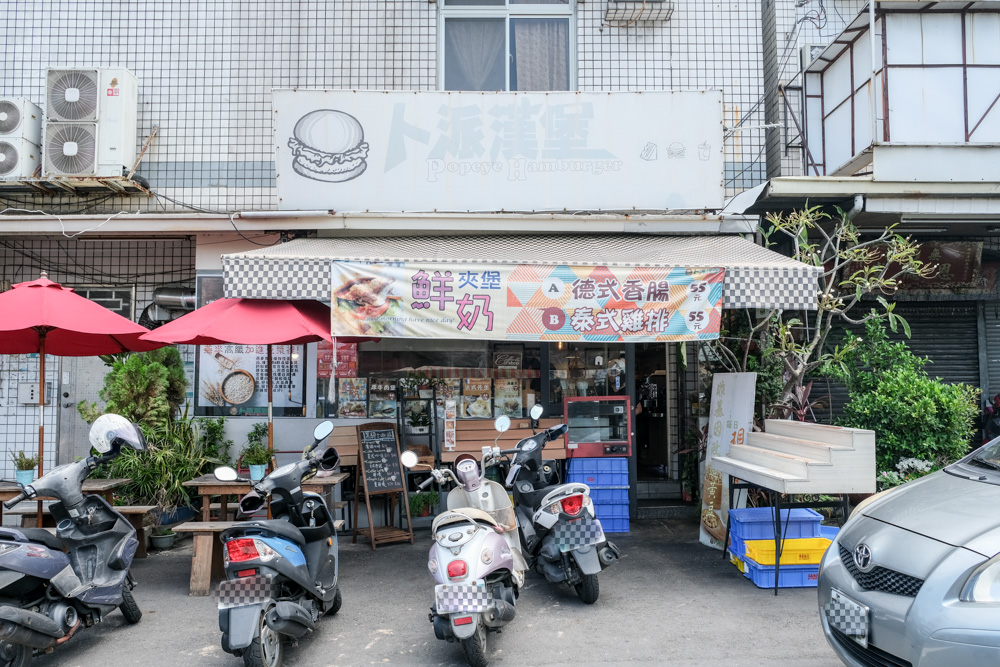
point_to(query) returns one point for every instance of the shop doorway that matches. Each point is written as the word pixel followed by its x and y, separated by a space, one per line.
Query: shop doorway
pixel 654 451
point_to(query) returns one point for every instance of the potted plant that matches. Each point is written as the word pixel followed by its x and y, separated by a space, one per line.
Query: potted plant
pixel 422 502
pixel 256 455
pixel 24 467
pixel 419 422
pixel 163 538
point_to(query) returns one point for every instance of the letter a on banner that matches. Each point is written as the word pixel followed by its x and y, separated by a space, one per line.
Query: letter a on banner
pixel 730 421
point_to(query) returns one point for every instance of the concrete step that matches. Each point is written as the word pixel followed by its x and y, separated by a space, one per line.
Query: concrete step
pixel 666 511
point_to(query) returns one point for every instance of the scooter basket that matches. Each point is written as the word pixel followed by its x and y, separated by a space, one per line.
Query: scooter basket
pixel 460 598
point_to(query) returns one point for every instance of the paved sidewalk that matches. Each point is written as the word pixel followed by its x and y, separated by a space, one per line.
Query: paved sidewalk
pixel 670 601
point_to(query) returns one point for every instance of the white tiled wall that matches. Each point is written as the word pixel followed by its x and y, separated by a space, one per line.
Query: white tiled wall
pixel 206 70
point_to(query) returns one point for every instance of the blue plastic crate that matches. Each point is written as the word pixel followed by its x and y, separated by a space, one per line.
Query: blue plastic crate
pixel 610 512
pixel 789 576
pixel 737 545
pixel 757 523
pixel 608 472
pixel 609 496
pixel 615 525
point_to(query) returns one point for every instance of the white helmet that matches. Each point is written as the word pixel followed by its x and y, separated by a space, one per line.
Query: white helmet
pixel 110 428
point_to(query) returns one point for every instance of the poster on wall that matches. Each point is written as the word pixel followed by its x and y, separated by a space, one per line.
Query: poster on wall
pixel 477 398
pixel 447 392
pixel 382 398
pixel 346 359
pixel 507 398
pixel 352 397
pixel 233 379
pixel 526 302
pixel 730 422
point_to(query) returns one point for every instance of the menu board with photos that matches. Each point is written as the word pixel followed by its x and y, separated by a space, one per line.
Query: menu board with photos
pixel 448 389
pixel 508 397
pixel 382 398
pixel 477 398
pixel 352 397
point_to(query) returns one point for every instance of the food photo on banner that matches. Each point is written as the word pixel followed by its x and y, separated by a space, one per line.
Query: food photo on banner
pixel 232 380
pixel 526 302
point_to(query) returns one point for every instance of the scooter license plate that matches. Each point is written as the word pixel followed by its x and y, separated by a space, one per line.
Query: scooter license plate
pixel 570 535
pixel 460 598
pixel 245 591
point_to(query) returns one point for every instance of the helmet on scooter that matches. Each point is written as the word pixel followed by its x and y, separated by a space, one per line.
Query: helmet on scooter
pixel 111 429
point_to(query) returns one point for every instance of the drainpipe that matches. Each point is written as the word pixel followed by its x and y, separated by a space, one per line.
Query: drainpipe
pixel 871 98
pixel 859 205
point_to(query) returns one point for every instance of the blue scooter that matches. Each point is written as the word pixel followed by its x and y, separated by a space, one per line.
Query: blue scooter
pixel 281 573
pixel 48 594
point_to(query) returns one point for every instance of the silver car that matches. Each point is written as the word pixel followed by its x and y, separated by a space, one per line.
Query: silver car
pixel 913 578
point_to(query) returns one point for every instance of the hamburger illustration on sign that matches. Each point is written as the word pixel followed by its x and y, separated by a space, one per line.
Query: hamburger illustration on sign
pixel 329 145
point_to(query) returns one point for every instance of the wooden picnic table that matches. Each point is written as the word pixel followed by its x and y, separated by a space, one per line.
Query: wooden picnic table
pixel 207 560
pixel 104 487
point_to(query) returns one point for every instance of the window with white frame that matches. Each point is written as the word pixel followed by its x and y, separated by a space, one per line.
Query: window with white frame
pixel 506 44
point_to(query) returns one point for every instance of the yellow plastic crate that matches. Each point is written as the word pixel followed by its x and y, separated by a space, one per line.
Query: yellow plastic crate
pixel 738 562
pixel 798 551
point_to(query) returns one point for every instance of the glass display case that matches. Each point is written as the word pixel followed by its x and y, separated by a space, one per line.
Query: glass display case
pixel 598 426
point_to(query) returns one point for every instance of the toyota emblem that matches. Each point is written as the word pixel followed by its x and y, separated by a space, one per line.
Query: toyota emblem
pixel 863 557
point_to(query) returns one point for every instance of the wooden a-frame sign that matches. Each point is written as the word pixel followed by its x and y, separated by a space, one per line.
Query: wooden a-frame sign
pixel 381 474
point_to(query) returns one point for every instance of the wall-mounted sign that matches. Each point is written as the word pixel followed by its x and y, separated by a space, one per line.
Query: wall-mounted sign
pixel 526 302
pixel 233 380
pixel 354 150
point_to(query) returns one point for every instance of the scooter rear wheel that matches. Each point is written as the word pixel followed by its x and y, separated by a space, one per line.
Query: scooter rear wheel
pixel 130 610
pixel 14 655
pixel 267 649
pixel 476 648
pixel 588 589
pixel 335 604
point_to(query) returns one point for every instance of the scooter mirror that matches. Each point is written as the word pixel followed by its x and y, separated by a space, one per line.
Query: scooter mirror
pixel 502 423
pixel 536 412
pixel 323 431
pixel 408 458
pixel 225 474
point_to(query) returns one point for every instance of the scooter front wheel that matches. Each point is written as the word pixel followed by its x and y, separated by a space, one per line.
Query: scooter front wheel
pixel 267 649
pixel 588 589
pixel 476 648
pixel 14 655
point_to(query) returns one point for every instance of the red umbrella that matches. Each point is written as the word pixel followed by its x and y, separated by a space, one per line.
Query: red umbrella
pixel 250 322
pixel 46 318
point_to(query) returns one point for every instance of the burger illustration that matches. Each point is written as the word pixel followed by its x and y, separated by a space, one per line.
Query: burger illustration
pixel 366 303
pixel 329 145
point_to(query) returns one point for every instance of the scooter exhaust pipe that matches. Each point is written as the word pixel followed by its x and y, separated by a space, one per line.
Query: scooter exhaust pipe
pixel 499 613
pixel 290 619
pixel 609 554
pixel 27 628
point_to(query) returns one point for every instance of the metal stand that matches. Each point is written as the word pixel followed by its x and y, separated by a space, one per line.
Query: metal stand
pixel 836 500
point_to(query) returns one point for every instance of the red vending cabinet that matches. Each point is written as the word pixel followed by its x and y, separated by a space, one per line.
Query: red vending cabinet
pixel 598 426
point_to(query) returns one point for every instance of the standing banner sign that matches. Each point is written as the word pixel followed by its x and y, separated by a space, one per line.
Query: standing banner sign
pixel 730 423
pixel 526 302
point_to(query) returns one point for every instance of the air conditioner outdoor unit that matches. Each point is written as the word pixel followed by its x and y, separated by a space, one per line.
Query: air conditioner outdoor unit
pixel 808 53
pixel 20 136
pixel 91 122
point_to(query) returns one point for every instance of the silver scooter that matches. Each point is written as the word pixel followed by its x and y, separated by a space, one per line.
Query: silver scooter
pixel 476 556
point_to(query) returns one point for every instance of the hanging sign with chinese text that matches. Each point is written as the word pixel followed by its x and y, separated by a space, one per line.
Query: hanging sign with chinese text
pixel 352 150
pixel 526 302
pixel 730 422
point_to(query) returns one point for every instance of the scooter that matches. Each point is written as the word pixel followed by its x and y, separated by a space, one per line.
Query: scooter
pixel 281 573
pixel 51 585
pixel 561 536
pixel 475 559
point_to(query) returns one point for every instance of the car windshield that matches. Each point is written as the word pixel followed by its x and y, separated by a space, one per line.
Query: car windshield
pixel 988 454
pixel 987 458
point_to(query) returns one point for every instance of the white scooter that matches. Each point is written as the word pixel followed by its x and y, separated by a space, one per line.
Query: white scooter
pixel 476 557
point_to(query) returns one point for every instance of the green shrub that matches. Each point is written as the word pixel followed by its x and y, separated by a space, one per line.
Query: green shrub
pixel 912 414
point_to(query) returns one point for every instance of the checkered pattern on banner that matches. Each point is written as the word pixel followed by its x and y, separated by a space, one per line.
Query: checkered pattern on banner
pixel 759 287
pixel 848 617
pixel 277 278
pixel 460 598
pixel 245 591
pixel 570 536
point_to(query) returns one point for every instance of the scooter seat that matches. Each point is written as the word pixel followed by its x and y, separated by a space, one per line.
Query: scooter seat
pixel 42 536
pixel 275 526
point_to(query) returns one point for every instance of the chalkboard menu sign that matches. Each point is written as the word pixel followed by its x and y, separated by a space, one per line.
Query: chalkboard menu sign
pixel 381 473
pixel 380 466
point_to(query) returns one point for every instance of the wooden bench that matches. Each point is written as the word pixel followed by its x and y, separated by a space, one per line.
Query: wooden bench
pixel 206 562
pixel 136 515
pixel 474 434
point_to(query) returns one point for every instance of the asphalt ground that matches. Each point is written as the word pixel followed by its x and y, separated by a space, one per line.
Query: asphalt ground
pixel 669 601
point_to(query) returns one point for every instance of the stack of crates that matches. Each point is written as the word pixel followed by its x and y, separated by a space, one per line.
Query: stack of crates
pixel 608 482
pixel 751 546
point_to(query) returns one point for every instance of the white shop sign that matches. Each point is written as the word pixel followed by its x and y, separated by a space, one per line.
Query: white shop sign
pixel 448 151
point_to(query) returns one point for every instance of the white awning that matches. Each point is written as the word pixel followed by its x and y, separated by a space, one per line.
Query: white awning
pixel 301 269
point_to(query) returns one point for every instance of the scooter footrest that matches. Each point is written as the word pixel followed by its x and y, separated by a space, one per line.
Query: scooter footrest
pixel 245 591
pixel 461 598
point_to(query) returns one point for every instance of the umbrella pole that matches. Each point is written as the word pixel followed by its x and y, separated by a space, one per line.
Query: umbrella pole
pixel 41 414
